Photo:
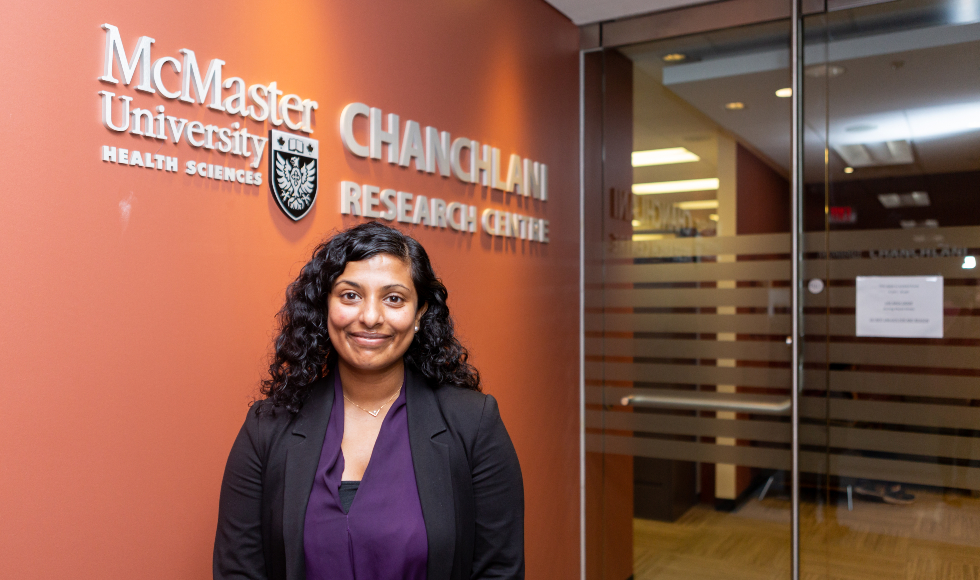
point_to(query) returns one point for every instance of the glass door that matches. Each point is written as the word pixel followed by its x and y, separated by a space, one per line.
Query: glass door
pixel 689 261
pixel 688 306
pixel 890 413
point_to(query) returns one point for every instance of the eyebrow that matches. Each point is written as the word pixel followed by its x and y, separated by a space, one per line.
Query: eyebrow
pixel 359 287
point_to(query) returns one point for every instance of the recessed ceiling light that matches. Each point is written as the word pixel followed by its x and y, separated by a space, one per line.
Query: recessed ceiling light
pixel 822 70
pixel 848 170
pixel 784 93
pixel 860 128
pixel 914 199
pixel 890 200
pixel 675 186
pixel 898 152
pixel 908 224
pixel 969 263
pixel 735 106
pixel 674 57
pixel 663 157
pixel 647 237
pixel 697 204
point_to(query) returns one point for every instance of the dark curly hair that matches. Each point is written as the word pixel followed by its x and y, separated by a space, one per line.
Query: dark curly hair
pixel 303 352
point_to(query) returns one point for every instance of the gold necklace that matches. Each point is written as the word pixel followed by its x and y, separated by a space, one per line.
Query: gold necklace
pixel 374 413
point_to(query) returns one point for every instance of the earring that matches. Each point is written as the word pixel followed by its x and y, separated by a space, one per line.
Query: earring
pixel 416 329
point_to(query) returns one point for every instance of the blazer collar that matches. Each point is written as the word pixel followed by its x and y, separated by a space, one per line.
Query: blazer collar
pixel 304 444
pixel 428 437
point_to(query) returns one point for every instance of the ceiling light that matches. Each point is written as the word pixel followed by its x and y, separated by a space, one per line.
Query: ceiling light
pixel 713 217
pixel 674 57
pixel 898 152
pixel 943 120
pixel 855 154
pixel 860 128
pixel 848 170
pixel 914 199
pixel 822 70
pixel 675 186
pixel 913 124
pixel 784 93
pixel 647 237
pixel 735 106
pixel 663 157
pixel 890 200
pixel 969 263
pixel 908 224
pixel 697 204
pixel 636 223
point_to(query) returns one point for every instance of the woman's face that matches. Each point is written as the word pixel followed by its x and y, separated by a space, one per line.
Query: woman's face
pixel 372 313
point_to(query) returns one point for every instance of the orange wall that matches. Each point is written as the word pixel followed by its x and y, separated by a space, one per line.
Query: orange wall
pixel 131 346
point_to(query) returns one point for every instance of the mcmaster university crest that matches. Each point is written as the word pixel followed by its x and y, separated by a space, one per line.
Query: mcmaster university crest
pixel 293 172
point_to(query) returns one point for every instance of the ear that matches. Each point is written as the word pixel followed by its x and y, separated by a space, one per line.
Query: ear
pixel 418 315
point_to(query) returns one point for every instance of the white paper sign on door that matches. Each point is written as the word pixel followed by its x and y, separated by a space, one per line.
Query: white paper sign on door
pixel 900 306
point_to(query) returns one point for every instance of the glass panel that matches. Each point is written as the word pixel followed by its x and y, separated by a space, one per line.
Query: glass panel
pixel 688 307
pixel 890 418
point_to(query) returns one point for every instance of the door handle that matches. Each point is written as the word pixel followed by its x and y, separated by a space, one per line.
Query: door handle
pixel 705 404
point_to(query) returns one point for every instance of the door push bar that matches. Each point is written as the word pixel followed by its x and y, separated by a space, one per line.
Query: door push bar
pixel 713 404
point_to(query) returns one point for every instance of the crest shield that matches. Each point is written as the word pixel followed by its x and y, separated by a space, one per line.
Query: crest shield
pixel 293 172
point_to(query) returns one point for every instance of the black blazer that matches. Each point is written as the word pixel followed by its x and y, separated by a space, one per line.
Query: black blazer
pixel 467 472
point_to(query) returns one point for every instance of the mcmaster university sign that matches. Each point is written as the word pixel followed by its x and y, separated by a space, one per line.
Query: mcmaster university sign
pixel 138 89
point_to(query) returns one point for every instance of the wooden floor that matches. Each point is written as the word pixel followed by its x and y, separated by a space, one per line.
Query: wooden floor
pixel 936 538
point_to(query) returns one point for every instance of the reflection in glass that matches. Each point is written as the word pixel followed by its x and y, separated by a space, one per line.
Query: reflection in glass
pixel 889 426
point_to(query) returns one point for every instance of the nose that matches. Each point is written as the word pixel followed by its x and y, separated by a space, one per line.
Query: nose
pixel 372 313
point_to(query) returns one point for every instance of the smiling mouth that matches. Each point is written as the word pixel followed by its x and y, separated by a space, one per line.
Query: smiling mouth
pixel 368 338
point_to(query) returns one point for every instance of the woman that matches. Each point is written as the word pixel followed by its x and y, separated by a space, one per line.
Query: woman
pixel 374 455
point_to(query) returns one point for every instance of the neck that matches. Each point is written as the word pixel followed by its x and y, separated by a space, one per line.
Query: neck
pixel 371 385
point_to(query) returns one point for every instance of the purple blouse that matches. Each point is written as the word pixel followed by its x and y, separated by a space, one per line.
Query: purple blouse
pixel 382 536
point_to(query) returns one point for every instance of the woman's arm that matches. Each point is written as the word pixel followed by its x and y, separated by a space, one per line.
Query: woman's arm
pixel 498 490
pixel 238 553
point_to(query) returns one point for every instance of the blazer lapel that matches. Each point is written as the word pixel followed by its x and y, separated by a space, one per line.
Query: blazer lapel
pixel 427 435
pixel 302 459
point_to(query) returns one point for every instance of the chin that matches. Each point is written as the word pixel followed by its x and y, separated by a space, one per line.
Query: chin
pixel 372 364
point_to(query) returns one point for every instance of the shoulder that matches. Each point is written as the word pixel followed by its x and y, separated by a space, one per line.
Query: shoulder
pixel 474 419
pixel 264 412
pixel 458 397
pixel 265 422
pixel 460 403
pixel 466 410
